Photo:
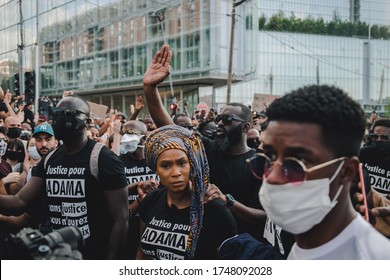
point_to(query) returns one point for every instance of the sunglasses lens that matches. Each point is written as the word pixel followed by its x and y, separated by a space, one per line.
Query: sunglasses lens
pixel 379 137
pixel 259 165
pixel 293 171
pixel 373 137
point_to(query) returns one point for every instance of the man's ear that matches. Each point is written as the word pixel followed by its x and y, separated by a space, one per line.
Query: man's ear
pixel 246 127
pixel 349 170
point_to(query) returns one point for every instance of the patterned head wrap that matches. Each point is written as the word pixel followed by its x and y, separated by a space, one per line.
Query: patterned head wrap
pixel 177 137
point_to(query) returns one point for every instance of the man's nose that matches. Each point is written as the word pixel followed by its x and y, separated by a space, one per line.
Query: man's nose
pixel 276 174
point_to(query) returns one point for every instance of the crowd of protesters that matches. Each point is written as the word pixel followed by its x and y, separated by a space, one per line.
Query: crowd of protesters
pixel 236 184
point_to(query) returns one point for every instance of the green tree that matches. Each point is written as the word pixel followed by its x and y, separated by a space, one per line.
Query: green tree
pixel 262 22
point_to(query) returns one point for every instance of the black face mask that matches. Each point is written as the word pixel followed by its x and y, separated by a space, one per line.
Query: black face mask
pixel 253 143
pixel 68 128
pixel 14 132
pixel 14 155
pixel 383 147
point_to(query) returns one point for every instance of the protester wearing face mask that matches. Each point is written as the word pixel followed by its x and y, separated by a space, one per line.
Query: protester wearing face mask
pixel 376 157
pixel 8 178
pixel 309 163
pixel 41 143
pixel 15 154
pixel 13 124
pixel 26 131
pixel 140 177
pixel 101 198
pixel 253 139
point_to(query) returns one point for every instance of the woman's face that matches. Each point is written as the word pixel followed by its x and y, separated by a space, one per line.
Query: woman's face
pixel 31 142
pixel 173 168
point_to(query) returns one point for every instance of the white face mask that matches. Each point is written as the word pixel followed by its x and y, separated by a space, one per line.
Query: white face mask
pixel 3 147
pixel 298 208
pixel 129 143
pixel 34 153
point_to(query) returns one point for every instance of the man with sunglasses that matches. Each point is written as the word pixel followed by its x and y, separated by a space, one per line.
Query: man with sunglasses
pixel 309 161
pixel 140 177
pixel 376 156
pixel 75 197
pixel 230 178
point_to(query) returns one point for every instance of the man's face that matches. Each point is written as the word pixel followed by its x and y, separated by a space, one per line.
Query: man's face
pixel 302 141
pixel 381 134
pixel 26 126
pixel 149 124
pixel 230 134
pixel 93 134
pixel 13 122
pixel 184 122
pixel 45 143
pixel 253 138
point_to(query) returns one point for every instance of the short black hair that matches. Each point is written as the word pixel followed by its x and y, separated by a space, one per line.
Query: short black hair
pixel 381 122
pixel 246 113
pixel 342 120
pixel 180 115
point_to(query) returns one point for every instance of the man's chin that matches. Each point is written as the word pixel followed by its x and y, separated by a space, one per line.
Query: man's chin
pixel 222 142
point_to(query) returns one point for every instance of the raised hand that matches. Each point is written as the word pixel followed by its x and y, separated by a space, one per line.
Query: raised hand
pixel 159 69
pixel 138 103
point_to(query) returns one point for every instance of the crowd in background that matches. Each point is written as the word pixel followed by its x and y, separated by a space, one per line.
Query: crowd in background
pixel 190 181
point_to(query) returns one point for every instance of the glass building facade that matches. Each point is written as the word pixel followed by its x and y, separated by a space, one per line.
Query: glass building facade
pixel 101 48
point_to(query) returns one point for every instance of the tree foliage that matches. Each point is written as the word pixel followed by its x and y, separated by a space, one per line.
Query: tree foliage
pixel 310 25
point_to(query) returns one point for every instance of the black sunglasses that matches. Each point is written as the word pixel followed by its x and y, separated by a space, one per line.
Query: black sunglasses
pixel 227 119
pixel 190 127
pixel 379 137
pixel 60 111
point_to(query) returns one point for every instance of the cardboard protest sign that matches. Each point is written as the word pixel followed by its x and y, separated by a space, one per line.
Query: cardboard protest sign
pixel 99 111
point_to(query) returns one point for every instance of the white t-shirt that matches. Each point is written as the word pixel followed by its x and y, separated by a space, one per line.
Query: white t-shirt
pixel 358 241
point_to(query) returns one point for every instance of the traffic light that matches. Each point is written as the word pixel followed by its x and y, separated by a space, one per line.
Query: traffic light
pixel 29 82
pixel 17 84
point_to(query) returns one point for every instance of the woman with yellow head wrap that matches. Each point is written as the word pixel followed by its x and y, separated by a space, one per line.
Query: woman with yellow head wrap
pixel 175 222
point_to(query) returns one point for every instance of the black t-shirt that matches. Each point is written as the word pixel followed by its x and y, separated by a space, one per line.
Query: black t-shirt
pixel 231 174
pixel 167 228
pixel 376 158
pixel 76 198
pixel 136 170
